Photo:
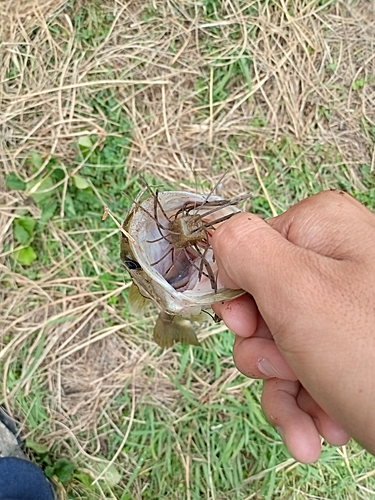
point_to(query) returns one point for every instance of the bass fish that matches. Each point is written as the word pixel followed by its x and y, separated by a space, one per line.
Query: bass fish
pixel 165 246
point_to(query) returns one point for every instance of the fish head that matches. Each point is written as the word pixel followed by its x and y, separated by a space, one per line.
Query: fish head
pixel 177 277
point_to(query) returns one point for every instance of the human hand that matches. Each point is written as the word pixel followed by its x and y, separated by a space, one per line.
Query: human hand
pixel 307 324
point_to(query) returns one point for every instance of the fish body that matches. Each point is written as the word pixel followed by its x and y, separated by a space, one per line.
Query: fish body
pixel 166 249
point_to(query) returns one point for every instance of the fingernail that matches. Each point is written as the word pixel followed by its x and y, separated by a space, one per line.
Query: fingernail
pixel 266 367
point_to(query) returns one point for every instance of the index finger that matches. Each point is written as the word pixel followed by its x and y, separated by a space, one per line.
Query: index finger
pixel 240 315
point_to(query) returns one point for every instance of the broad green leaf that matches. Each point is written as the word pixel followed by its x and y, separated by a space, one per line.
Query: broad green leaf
pixel 49 471
pixel 25 256
pixel 80 182
pixel 40 449
pixel 14 182
pixel 84 478
pixel 43 189
pixel 28 223
pixel 69 205
pixel 48 211
pixel 63 469
pixel 111 476
pixel 36 159
pixel 85 142
pixel 20 233
pixel 23 229
pixel 58 174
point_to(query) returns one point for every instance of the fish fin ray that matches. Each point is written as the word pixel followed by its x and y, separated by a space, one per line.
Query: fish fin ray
pixel 137 302
pixel 171 329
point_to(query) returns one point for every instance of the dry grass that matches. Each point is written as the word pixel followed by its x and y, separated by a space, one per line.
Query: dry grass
pixel 302 65
pixel 307 76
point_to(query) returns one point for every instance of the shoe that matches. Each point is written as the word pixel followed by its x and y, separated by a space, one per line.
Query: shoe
pixel 11 444
pixel 19 476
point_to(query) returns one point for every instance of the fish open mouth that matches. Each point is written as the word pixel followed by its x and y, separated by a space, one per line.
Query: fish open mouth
pixel 167 249
pixel 187 269
pixel 176 240
pixel 191 267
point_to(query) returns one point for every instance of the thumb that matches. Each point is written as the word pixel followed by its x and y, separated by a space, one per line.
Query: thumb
pixel 255 257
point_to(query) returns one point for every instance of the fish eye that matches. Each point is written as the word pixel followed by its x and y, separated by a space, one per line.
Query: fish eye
pixel 132 264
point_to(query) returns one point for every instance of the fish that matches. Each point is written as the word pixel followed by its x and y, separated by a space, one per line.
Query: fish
pixel 165 247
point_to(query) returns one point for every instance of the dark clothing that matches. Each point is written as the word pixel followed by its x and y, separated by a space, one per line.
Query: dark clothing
pixel 23 480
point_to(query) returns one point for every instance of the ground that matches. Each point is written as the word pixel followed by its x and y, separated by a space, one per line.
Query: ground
pixel 281 96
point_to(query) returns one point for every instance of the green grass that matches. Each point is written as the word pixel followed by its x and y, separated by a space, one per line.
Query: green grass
pixel 182 424
pixel 225 439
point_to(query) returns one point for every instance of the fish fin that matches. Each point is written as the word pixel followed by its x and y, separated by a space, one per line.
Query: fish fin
pixel 202 316
pixel 171 329
pixel 137 301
